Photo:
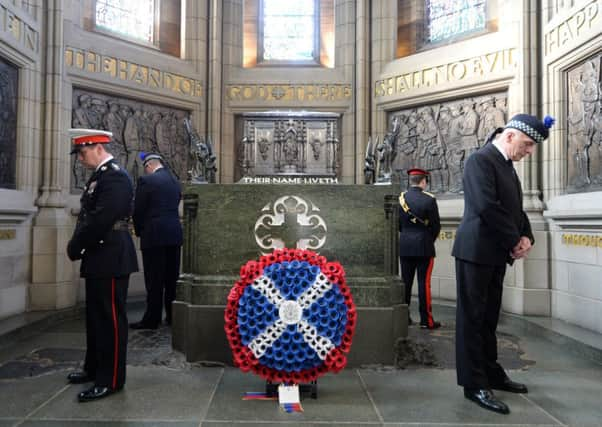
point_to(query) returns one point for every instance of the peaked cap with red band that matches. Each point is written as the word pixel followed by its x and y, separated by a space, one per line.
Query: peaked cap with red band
pixel 417 171
pixel 86 137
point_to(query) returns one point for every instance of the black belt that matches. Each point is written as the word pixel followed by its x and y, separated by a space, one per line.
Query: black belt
pixel 121 225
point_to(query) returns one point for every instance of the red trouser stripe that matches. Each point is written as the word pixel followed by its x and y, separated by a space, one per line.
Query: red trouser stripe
pixel 427 293
pixel 115 334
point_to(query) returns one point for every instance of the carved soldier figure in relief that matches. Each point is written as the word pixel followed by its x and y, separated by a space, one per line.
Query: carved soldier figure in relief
pixel 492 118
pixel 289 147
pixel 468 128
pixel 455 150
pixel 578 133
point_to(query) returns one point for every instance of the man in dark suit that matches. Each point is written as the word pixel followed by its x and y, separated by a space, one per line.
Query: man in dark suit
pixel 157 222
pixel 102 241
pixel 494 231
pixel 419 227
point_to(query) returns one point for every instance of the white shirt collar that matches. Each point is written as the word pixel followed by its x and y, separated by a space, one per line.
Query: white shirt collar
pixel 104 162
pixel 498 145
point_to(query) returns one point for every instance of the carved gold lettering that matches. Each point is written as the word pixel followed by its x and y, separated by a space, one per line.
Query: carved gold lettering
pixel 186 86
pixel 69 57
pixel 477 67
pixel 198 89
pixel 347 91
pixel 400 84
pixel 8 234
pixel 248 92
pixel 572 28
pixel 154 78
pixel 140 74
pixel 91 65
pixel 168 81
pixel 109 66
pixel 79 60
pixel 587 240
pixel 490 62
pixel 31 38
pixel 591 11
pixel 458 70
pixel 379 89
pixel 123 69
pixel 13 25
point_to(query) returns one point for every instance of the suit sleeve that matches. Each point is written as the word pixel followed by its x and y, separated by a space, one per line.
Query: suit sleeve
pixel 113 196
pixel 140 205
pixel 526 228
pixel 480 189
pixel 434 220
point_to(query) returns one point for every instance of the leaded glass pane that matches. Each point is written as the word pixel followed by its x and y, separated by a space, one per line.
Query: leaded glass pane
pixel 288 30
pixel 448 18
pixel 134 19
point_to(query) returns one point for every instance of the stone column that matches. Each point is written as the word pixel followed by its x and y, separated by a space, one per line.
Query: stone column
pixel 52 284
pixel 214 91
pixel 527 283
pixel 363 95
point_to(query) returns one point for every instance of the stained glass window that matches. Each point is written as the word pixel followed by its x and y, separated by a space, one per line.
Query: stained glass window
pixel 448 18
pixel 289 30
pixel 135 19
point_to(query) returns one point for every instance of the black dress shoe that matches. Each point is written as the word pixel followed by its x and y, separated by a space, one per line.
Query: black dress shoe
pixel 95 393
pixel 485 398
pixel 79 377
pixel 140 325
pixel 436 325
pixel 511 386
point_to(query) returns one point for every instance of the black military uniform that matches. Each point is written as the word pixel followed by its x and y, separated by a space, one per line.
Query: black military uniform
pixel 102 241
pixel 157 222
pixel 492 225
pixel 419 227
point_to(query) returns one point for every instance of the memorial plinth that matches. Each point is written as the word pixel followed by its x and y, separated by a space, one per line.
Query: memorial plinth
pixel 225 225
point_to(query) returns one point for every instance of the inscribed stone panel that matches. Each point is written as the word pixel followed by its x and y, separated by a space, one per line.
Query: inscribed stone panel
pixel 300 145
pixel 440 137
pixel 9 75
pixel 137 127
pixel 584 124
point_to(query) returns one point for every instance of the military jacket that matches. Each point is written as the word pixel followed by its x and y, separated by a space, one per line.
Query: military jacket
pixel 419 223
pixel 101 239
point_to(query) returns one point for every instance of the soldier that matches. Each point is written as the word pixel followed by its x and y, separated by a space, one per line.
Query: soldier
pixel 157 222
pixel 101 240
pixel 419 227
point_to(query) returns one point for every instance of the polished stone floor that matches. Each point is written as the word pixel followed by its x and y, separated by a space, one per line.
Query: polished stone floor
pixel 564 376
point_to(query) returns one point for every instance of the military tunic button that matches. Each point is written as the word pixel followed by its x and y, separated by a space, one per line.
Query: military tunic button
pixel 101 242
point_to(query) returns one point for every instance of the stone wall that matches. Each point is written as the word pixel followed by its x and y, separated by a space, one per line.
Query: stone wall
pixel 571 160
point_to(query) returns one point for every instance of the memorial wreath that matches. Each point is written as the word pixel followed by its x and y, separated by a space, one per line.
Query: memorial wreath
pixel 290 317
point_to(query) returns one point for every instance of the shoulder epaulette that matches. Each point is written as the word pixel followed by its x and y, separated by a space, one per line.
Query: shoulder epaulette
pixel 115 166
pixel 429 194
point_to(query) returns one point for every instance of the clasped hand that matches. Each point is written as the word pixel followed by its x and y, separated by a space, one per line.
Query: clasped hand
pixel 522 248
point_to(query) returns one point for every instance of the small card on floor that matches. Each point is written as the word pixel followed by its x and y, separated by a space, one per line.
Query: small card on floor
pixel 288 394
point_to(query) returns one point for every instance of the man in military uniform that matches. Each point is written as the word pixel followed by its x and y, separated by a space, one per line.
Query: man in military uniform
pixel 419 227
pixel 494 231
pixel 101 240
pixel 157 222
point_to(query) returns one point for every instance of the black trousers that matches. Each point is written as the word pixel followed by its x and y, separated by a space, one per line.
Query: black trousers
pixel 106 330
pixel 161 272
pixel 479 299
pixel 424 267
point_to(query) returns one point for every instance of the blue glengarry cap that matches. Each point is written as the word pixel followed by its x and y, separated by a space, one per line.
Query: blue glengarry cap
pixel 146 157
pixel 531 126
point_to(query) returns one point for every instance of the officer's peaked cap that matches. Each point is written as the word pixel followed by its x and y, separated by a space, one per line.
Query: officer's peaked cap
pixel 86 137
